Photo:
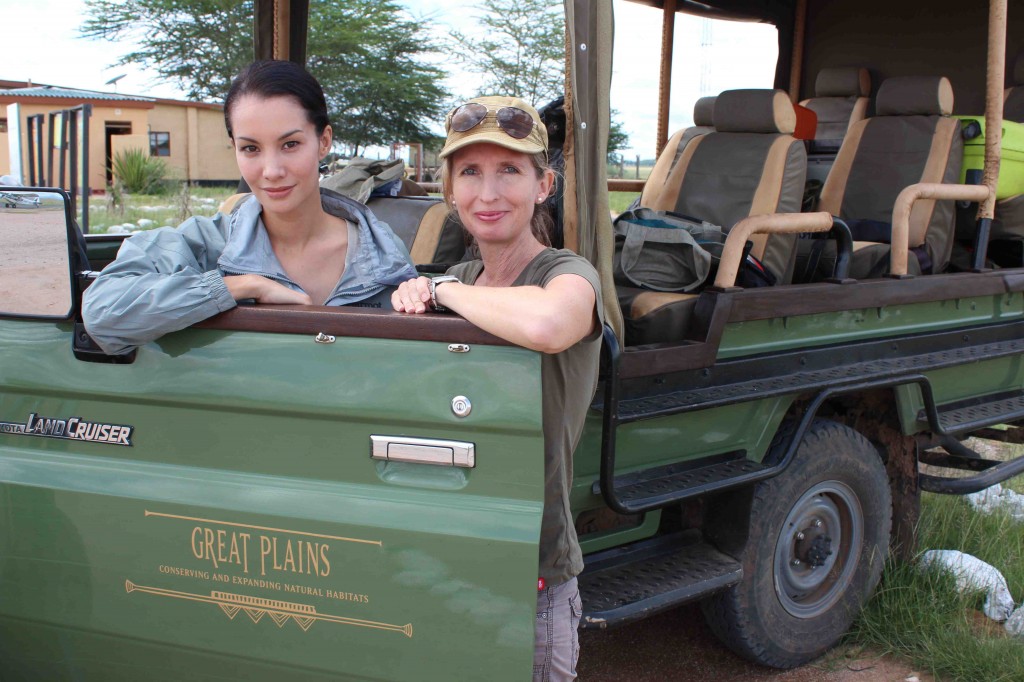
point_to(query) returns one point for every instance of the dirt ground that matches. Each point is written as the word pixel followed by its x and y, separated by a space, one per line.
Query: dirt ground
pixel 676 646
pixel 34 270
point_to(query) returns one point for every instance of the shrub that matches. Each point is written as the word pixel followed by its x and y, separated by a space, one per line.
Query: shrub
pixel 139 173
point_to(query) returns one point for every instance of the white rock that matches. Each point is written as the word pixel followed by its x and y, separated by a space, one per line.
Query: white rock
pixel 145 222
pixel 998 498
pixel 117 229
pixel 974 575
pixel 1015 623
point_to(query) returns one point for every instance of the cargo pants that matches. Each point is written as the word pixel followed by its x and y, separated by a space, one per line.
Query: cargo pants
pixel 556 646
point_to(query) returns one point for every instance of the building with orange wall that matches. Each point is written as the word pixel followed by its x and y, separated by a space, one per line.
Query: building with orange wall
pixel 189 136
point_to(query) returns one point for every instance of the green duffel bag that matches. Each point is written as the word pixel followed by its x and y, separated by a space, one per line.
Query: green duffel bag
pixel 663 251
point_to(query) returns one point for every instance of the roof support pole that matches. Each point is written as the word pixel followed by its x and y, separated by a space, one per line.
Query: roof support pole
pixel 994 104
pixel 796 63
pixel 279 29
pixel 668 26
pixel 282 24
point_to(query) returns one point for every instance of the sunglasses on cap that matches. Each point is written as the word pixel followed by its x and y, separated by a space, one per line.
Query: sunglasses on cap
pixel 514 121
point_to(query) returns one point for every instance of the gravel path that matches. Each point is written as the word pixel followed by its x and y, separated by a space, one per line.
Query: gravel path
pixel 676 646
pixel 34 270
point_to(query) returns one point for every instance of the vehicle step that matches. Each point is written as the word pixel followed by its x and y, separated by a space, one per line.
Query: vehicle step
pixel 978 413
pixel 628 583
pixel 668 481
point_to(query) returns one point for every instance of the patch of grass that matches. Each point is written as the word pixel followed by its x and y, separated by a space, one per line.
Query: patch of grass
pixel 170 208
pixel 620 201
pixel 919 614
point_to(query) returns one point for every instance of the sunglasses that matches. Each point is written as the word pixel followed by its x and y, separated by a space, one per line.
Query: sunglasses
pixel 513 120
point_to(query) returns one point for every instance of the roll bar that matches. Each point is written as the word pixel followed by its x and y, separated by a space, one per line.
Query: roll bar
pixel 900 240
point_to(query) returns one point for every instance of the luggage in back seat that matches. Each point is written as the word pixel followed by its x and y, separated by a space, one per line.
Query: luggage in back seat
pixel 749 165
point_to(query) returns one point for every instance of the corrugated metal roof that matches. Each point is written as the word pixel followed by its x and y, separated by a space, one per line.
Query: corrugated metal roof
pixel 70 93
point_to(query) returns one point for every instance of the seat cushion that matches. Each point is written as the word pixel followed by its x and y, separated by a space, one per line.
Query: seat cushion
pixel 424 226
pixel 883 155
pixel 655 316
pixel 840 99
pixel 870 260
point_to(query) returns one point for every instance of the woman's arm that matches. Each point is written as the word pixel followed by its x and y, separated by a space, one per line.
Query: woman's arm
pixel 161 281
pixel 549 319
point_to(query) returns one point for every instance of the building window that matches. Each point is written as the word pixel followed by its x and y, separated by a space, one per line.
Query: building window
pixel 160 144
pixel 3 125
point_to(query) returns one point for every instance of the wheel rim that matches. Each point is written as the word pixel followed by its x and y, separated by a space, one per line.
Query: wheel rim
pixel 817 550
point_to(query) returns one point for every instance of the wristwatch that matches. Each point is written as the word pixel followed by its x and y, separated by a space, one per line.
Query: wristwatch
pixel 433 291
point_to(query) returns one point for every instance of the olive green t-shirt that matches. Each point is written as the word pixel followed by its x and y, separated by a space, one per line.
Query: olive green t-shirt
pixel 568 381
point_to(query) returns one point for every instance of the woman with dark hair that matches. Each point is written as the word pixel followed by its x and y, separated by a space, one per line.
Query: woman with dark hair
pixel 288 242
pixel 495 177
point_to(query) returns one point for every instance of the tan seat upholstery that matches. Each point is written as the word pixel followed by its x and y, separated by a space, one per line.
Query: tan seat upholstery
pixel 911 139
pixel 749 165
pixel 654 316
pixel 424 225
pixel 840 100
pixel 703 123
pixel 1013 97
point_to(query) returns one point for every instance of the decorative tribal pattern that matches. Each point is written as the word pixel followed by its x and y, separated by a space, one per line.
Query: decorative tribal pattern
pixel 280 612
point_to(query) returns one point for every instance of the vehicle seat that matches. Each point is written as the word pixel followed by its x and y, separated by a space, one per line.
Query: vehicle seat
pixel 703 123
pixel 840 100
pixel 424 226
pixel 911 139
pixel 749 165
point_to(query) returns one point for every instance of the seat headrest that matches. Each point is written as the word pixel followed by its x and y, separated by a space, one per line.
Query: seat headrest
pixel 1018 69
pixel 843 82
pixel 754 111
pixel 915 96
pixel 704 111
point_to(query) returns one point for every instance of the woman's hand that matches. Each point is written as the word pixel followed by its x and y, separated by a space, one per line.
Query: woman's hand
pixel 263 290
pixel 412 296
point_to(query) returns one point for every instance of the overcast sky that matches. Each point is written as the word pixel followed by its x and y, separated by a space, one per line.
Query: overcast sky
pixel 41 43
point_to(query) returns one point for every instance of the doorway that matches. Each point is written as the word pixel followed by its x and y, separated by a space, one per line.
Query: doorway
pixel 113 128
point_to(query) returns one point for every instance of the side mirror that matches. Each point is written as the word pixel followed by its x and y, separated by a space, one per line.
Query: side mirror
pixel 37 235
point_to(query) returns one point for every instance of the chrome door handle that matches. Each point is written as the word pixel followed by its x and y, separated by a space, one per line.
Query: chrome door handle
pixel 423 451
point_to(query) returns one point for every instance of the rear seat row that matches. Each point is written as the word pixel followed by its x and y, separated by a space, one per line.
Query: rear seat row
pixel 750 164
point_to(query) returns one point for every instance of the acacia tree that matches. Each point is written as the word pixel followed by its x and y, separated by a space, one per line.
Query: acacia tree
pixel 367 55
pixel 523 55
pixel 522 51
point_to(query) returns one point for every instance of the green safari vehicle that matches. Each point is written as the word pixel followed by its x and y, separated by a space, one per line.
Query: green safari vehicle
pixel 310 493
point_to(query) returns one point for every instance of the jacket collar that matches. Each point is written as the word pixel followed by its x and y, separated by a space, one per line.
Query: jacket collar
pixel 375 257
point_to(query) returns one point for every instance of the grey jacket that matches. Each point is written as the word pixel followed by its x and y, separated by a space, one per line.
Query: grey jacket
pixel 170 278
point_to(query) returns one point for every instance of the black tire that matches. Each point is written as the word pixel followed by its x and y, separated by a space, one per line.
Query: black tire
pixel 796 600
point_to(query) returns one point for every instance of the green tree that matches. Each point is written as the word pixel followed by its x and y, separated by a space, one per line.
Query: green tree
pixel 369 57
pixel 367 54
pixel 522 51
pixel 197 45
pixel 617 137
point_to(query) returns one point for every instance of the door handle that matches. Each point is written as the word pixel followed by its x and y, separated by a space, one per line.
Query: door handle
pixel 423 451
